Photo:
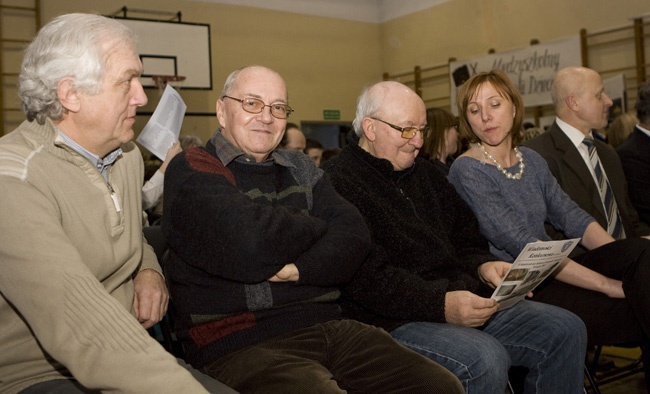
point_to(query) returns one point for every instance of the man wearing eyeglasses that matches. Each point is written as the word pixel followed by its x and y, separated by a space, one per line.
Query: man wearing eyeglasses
pixel 259 241
pixel 429 275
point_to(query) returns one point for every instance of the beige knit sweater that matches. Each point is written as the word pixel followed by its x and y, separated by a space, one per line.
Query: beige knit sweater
pixel 67 259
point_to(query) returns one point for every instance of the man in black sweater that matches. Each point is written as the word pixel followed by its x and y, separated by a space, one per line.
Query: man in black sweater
pixel 260 242
pixel 429 275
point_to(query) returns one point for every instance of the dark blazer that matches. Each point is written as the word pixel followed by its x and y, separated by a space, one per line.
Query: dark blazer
pixel 572 173
pixel 635 157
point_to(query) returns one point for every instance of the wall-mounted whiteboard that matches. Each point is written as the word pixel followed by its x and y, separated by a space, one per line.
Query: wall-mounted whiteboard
pixel 174 48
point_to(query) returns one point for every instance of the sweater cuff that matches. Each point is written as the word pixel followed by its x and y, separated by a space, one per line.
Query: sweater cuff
pixel 457 285
pixel 149 260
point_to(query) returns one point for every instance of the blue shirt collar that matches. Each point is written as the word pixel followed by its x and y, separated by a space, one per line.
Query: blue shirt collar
pixel 102 164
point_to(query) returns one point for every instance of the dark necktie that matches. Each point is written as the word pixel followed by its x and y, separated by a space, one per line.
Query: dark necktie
pixel 614 224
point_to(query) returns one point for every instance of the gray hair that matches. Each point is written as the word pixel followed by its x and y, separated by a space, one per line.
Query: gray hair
pixel 367 105
pixel 72 45
pixel 230 82
pixel 232 78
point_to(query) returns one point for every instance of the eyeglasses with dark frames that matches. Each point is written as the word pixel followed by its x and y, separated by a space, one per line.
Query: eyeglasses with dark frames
pixel 255 106
pixel 408 132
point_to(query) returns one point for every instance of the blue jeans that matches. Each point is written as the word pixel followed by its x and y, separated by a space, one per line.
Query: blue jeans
pixel 550 341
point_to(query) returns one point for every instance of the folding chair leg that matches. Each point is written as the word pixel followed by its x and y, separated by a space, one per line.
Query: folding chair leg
pixel 593 386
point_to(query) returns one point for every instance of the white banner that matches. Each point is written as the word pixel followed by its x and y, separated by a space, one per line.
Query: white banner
pixel 531 69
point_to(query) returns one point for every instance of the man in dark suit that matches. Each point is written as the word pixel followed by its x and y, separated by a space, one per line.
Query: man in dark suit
pixel 635 156
pixel 581 105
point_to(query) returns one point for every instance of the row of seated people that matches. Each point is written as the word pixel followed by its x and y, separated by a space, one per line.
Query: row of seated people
pixel 626 133
pixel 80 287
pixel 368 275
pixel 585 285
pixel 587 279
pixel 293 243
pixel 598 278
pixel 624 209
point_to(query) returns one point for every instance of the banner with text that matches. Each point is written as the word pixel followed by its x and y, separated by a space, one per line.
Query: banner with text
pixel 531 69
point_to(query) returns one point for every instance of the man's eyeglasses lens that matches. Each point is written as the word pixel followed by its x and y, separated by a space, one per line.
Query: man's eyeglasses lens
pixel 409 131
pixel 255 106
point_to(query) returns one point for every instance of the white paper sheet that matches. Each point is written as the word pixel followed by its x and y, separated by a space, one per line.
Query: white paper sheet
pixel 536 262
pixel 164 127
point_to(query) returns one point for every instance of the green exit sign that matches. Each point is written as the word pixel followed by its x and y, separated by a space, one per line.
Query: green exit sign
pixel 331 114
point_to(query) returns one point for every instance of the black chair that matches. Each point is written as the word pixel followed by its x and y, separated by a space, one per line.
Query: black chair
pixel 517 376
pixel 597 378
pixel 163 331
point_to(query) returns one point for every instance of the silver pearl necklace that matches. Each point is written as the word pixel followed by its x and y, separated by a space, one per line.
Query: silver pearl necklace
pixel 505 172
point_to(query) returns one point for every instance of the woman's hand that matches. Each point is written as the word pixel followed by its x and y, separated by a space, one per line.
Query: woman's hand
pixel 578 275
pixel 614 288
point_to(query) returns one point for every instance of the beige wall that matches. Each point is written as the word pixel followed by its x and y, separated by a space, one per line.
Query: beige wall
pixel 467 28
pixel 327 61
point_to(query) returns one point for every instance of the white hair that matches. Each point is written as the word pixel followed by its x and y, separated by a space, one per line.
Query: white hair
pixel 71 45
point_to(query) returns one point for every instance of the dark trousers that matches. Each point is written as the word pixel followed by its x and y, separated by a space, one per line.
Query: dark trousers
pixel 333 357
pixel 611 321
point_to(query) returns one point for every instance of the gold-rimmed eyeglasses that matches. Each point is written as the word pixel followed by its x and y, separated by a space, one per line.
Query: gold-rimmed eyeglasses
pixel 255 106
pixel 408 132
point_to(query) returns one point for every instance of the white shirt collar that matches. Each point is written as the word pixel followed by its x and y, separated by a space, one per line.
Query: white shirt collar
pixel 576 136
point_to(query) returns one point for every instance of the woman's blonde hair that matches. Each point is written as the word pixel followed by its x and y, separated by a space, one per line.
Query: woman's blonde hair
pixel 621 128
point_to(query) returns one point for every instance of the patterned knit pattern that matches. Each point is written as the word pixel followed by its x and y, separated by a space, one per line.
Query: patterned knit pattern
pixel 231 227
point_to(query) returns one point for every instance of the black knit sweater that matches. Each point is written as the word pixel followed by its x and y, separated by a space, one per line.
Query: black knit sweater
pixel 231 227
pixel 426 240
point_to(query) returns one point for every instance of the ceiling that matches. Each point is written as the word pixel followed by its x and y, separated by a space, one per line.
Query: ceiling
pixel 373 11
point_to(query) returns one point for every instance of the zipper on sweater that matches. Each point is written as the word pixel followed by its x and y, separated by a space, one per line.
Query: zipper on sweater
pixel 116 202
pixel 415 211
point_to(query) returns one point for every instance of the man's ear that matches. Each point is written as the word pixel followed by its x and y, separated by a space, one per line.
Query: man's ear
pixel 221 116
pixel 368 127
pixel 571 102
pixel 67 95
